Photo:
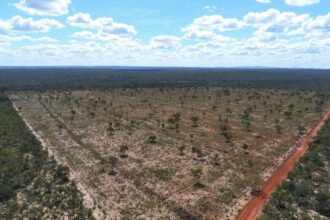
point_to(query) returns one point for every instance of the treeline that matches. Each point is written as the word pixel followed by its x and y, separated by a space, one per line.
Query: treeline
pixel 32 185
pixel 103 78
pixel 306 192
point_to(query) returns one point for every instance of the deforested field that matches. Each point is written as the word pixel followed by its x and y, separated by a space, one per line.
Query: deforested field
pixel 170 153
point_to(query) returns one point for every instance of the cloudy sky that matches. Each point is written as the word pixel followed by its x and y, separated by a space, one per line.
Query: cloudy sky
pixel 278 33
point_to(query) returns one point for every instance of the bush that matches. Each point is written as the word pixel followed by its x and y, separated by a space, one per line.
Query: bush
pixel 5 192
pixel 62 174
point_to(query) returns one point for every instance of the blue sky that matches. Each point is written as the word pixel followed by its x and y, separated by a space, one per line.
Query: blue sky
pixel 279 33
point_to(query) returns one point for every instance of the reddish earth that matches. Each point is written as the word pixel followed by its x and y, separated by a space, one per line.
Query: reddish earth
pixel 253 209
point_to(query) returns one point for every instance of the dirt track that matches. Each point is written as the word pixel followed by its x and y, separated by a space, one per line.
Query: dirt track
pixel 253 209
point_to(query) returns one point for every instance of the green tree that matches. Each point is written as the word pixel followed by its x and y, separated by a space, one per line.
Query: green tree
pixel 226 133
pixel 197 174
pixel 152 139
pixel 215 159
pixel 181 149
pixel 122 149
pixel 194 119
pixel 301 129
pixel 229 112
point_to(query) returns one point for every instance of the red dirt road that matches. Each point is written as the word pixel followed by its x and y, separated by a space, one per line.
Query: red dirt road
pixel 253 209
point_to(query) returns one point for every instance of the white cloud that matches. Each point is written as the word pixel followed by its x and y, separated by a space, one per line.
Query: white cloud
pixel 46 39
pixel 105 25
pixel 204 35
pixel 281 38
pixel 29 25
pixel 19 24
pixel 125 45
pixel 211 8
pixel 82 20
pixel 273 23
pixel 6 38
pixel 80 48
pixel 115 43
pixel 165 42
pixel 319 26
pixel 264 36
pixel 301 2
pixel 199 35
pixel 214 22
pixel 41 50
pixel 44 7
pixel 119 29
pixel 4 27
pixel 260 18
pixel 85 34
pixel 205 47
pixel 263 1
pixel 98 36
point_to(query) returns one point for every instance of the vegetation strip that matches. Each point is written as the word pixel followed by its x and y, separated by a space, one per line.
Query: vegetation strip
pixel 32 185
pixel 253 209
pixel 305 194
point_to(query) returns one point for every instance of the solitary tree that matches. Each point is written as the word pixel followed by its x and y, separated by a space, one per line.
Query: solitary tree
pixel 288 114
pixel 194 119
pixel 177 117
pixel 177 127
pixel 112 161
pixel 112 164
pixel 278 128
pixel 196 149
pixel 228 111
pixel 246 119
pixel 73 113
pixel 215 159
pixel 301 129
pixel 123 149
pixel 291 106
pixel 181 149
pixel 152 139
pixel 226 133
pixel 228 136
pixel 197 173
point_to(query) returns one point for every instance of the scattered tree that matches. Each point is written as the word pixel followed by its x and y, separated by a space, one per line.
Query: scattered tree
pixel 181 149
pixel 122 150
pixel 194 119
pixel 152 139
pixel 197 174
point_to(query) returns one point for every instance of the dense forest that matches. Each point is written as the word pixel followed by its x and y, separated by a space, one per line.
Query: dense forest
pixel 32 185
pixel 103 78
pixel 306 192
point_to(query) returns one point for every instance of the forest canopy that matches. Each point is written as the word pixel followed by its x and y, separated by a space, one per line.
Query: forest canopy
pixel 105 78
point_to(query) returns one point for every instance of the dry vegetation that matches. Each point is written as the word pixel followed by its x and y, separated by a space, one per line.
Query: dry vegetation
pixel 170 153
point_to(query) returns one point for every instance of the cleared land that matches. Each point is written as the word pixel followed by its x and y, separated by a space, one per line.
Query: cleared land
pixel 170 153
